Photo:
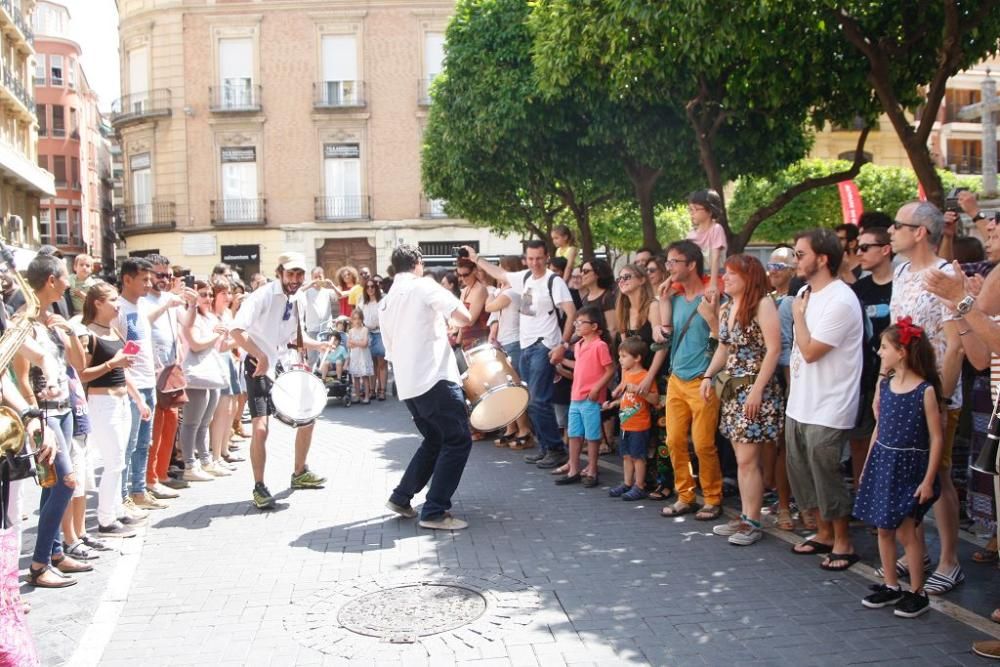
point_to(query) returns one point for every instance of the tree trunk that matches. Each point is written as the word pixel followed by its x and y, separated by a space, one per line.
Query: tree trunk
pixel 644 180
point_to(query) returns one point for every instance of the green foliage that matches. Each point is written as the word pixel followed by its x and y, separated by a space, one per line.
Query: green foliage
pixel 882 189
pixel 620 229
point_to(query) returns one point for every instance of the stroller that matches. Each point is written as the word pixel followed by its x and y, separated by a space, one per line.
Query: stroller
pixel 336 389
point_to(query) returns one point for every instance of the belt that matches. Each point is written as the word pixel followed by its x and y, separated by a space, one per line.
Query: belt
pixel 54 405
pixel 374 331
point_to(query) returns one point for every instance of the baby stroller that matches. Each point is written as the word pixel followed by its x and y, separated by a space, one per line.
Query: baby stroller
pixel 336 389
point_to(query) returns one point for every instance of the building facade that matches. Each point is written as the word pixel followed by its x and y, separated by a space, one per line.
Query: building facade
pixel 70 141
pixel 22 181
pixel 253 128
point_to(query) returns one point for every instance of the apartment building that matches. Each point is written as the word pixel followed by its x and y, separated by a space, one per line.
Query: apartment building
pixel 71 144
pixel 22 181
pixel 252 128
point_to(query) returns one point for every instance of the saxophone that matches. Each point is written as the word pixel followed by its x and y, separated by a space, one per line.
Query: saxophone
pixel 18 329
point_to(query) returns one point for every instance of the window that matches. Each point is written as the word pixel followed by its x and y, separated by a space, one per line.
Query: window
pixel 74 173
pixel 342 176
pixel 59 170
pixel 43 225
pixel 433 54
pixel 39 72
pixel 138 79
pixel 43 161
pixel 74 126
pixel 239 184
pixel 71 72
pixel 58 121
pixel 62 226
pixel 75 234
pixel 142 189
pixel 340 70
pixel 43 119
pixel 56 69
pixel 235 73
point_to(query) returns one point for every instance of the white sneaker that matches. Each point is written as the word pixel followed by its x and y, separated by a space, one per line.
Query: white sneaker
pixel 196 474
pixel 746 535
pixel 728 528
pixel 225 465
pixel 215 470
pixel 444 522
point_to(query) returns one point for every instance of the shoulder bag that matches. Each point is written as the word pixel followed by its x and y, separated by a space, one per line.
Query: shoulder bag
pixel 171 383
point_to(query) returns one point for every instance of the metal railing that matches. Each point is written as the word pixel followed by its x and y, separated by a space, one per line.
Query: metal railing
pixel 20 22
pixel 967 164
pixel 13 83
pixel 239 211
pixel 234 98
pixel 424 91
pixel 338 94
pixel 343 207
pixel 147 104
pixel 143 216
pixel 59 132
pixel 432 208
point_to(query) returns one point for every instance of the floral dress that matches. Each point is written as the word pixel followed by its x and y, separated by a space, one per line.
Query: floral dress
pixel 746 354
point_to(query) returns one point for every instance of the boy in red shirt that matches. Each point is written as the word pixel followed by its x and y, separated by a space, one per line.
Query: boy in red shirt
pixel 636 419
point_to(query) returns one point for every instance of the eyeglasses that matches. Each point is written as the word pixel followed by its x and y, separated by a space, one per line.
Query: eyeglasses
pixel 164 276
pixel 897 225
pixel 671 262
pixel 580 323
pixel 624 278
pixel 865 247
pixel 584 272
pixel 777 266
pixel 463 275
pixel 288 311
pixel 800 254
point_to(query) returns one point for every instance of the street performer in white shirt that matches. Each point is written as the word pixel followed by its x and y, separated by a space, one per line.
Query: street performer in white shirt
pixel 414 320
pixel 267 322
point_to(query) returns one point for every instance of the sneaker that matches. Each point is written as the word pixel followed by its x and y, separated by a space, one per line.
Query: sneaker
pixel 116 529
pixel 728 528
pixel 133 511
pixel 215 470
pixel 137 520
pixel 146 501
pixel 444 522
pixel 989 648
pixel 172 483
pixel 552 459
pixel 402 510
pixel 912 605
pixel 307 479
pixel 161 492
pixel 262 498
pixel 196 474
pixel 747 534
pixel 534 458
pixel 233 458
pixel 882 596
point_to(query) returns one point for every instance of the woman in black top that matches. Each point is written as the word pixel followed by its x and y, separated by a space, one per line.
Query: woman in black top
pixel 597 287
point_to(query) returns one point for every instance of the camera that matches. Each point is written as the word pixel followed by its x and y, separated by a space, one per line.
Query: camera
pixel 951 201
pixel 458 251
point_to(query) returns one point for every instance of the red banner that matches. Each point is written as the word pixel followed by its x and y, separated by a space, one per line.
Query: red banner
pixel 850 202
pixel 921 195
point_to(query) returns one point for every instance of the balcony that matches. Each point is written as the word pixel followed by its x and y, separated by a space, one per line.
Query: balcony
pixel 14 87
pixel 141 106
pixel 235 98
pixel 342 208
pixel 21 27
pixel 338 95
pixel 432 209
pixel 138 218
pixel 424 91
pixel 239 212
pixel 967 164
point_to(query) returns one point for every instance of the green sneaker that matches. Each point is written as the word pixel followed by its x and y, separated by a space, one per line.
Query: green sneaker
pixel 307 479
pixel 262 498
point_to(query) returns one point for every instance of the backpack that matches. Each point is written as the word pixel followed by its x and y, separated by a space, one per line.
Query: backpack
pixel 560 315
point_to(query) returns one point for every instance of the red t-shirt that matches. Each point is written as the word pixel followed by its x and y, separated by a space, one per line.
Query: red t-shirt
pixel 592 360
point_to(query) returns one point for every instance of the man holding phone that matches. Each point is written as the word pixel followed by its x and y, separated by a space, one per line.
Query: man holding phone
pixel 267 322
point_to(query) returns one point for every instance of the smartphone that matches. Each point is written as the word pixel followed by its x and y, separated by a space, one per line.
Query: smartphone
pixel 459 251
pixel 131 347
pixel 189 281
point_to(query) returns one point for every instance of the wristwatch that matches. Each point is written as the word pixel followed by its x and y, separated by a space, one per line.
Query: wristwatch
pixel 965 305
pixel 30 413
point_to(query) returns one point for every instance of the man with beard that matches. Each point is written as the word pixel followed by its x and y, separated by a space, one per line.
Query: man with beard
pixel 266 323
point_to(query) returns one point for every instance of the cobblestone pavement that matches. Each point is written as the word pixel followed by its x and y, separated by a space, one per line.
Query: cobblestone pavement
pixel 566 576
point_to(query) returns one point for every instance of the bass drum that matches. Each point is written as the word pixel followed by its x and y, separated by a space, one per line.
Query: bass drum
pixel 298 397
pixel 493 389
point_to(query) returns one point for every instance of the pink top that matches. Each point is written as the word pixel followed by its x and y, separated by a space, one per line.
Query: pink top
pixel 592 359
pixel 714 238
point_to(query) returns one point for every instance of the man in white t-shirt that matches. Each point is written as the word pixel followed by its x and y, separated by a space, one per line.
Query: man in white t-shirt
pixel 543 341
pixel 825 372
pixel 916 234
pixel 317 301
pixel 414 318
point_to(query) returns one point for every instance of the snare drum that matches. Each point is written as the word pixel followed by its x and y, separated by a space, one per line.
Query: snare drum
pixel 298 397
pixel 493 389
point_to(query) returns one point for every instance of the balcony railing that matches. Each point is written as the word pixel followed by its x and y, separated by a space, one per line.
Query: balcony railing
pixel 967 164
pixel 235 98
pixel 59 132
pixel 338 94
pixel 147 104
pixel 432 208
pixel 139 217
pixel 20 22
pixel 424 91
pixel 12 82
pixel 343 207
pixel 239 211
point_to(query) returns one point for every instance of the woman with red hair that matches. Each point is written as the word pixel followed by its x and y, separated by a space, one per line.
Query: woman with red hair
pixel 752 402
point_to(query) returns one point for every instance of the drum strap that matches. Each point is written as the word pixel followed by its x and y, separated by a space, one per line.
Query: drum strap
pixel 299 342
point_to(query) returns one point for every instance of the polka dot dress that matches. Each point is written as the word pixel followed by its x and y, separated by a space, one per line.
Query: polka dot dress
pixel 898 461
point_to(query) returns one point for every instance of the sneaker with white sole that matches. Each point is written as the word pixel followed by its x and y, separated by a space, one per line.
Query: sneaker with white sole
pixel 912 605
pixel 882 596
pixel 160 492
pixel 444 522
pixel 133 511
pixel 728 528
pixel 146 501
pixel 196 474
pixel 215 470
pixel 115 529
pixel 747 534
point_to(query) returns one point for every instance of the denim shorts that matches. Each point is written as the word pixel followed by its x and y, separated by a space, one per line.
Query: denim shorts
pixel 375 345
pixel 584 420
pixel 562 414
pixel 635 444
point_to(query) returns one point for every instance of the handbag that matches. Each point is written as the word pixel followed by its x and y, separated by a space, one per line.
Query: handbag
pixel 171 383
pixel 725 384
pixel 205 369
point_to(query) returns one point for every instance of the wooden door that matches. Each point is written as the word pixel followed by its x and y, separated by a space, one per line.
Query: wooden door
pixel 336 253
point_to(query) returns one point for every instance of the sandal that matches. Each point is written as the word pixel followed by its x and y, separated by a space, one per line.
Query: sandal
pixel 985 557
pixel 504 440
pixel 708 513
pixel 523 442
pixel 784 520
pixel 604 449
pixel 814 548
pixel 677 509
pixel 34 578
pixel 661 492
pixel 635 493
pixel 847 559
pixel 590 481
pixel 381 395
pixel 69 565
pixel 942 582
pixel 79 550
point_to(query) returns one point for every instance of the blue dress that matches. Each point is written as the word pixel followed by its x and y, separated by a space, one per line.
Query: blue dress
pixel 898 461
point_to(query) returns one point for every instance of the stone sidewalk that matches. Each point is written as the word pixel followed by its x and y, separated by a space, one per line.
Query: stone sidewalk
pixel 547 576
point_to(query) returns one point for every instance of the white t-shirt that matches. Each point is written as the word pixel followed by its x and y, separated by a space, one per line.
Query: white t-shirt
pixel 911 298
pixel 825 392
pixel 134 320
pixel 538 315
pixel 509 328
pixel 164 328
pixel 415 334
pixel 370 312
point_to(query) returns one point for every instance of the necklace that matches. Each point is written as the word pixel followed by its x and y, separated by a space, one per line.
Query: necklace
pixel 103 326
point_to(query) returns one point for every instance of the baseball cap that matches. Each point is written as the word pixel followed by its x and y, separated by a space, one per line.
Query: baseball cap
pixel 292 260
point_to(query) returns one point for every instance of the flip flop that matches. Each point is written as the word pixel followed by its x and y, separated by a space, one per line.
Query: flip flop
pixel 849 559
pixel 814 548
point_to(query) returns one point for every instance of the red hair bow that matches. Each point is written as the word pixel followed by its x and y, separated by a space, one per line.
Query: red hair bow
pixel 907 330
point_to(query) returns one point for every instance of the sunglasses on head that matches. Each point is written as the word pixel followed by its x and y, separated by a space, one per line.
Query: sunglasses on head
pixel 777 266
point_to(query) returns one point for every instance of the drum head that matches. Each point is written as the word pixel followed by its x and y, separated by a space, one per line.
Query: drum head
pixel 499 408
pixel 298 396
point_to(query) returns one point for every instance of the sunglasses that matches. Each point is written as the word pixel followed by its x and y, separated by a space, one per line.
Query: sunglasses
pixel 624 278
pixel 651 270
pixel 580 323
pixel 584 272
pixel 777 266
pixel 463 275
pixel 164 276
pixel 897 225
pixel 865 247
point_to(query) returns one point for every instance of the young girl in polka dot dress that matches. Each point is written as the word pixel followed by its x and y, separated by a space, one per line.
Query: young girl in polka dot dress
pixel 899 483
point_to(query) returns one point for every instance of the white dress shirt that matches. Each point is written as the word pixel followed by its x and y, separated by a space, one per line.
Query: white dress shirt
pixel 262 317
pixel 415 334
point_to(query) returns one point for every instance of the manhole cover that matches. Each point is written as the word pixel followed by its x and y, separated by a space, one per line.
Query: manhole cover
pixel 419 609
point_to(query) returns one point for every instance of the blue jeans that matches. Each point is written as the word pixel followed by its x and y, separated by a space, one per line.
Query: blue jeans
pixel 55 500
pixel 538 373
pixel 137 454
pixel 441 417
pixel 513 351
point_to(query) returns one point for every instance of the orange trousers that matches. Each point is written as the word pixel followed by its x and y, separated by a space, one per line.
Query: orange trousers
pixel 689 413
pixel 164 432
